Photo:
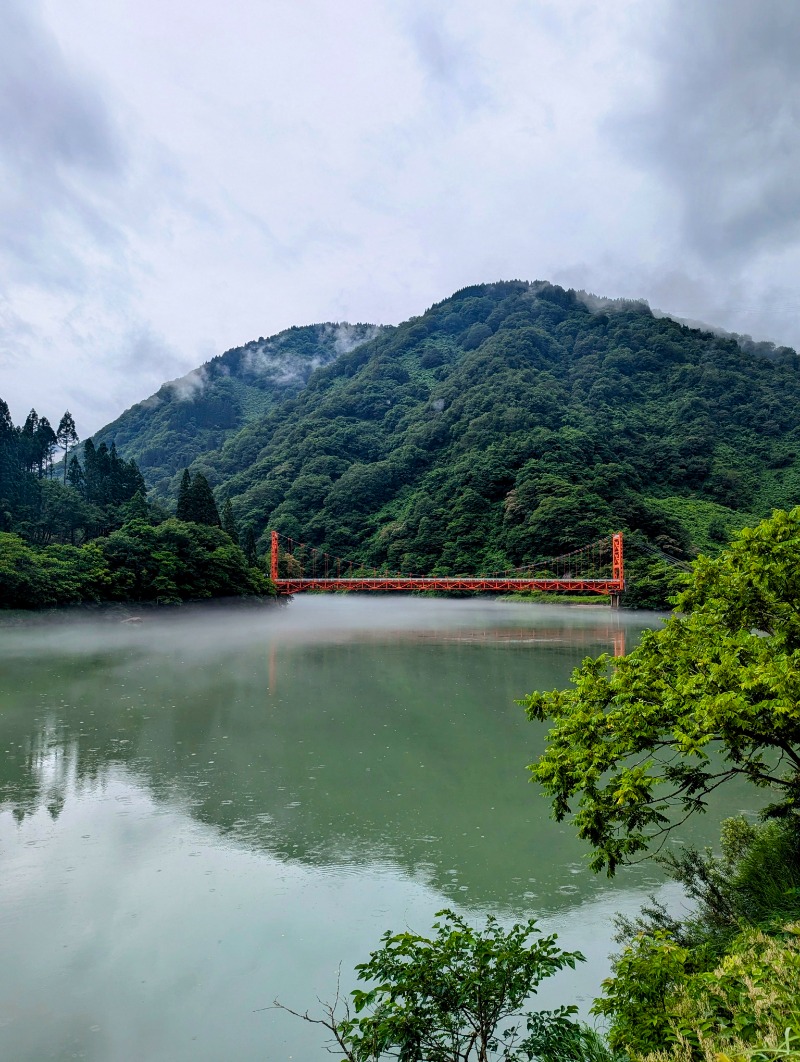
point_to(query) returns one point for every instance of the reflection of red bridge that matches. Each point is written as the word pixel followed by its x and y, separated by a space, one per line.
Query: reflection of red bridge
pixel 595 569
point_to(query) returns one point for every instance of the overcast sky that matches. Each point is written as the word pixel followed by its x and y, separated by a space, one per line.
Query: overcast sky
pixel 178 177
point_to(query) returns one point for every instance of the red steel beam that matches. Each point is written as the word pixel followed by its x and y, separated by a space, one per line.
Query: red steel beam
pixel 480 584
pixel 486 584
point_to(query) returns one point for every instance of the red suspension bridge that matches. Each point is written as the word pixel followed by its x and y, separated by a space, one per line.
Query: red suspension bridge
pixel 597 569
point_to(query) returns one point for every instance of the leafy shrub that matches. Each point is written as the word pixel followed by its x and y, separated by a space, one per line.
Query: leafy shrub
pixel 459 996
pixel 727 978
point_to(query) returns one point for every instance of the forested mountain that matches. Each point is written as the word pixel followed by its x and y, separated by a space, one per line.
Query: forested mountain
pixel 510 422
pixel 517 420
pixel 198 412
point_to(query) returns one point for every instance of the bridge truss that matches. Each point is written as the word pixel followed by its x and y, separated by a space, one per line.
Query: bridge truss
pixel 595 569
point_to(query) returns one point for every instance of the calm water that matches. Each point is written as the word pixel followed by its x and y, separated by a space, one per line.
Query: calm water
pixel 212 809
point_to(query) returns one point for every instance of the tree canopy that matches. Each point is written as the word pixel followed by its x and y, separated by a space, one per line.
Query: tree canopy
pixel 458 996
pixel 638 743
pixel 196 501
pixel 95 537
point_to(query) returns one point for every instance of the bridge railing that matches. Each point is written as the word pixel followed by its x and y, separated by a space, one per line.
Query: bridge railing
pixel 596 568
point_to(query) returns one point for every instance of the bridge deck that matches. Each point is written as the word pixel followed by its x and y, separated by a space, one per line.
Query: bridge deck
pixel 492 584
pixel 487 584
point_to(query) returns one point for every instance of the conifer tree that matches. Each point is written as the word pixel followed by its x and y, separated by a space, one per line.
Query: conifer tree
pixel 183 507
pixel 203 507
pixel 97 470
pixel 136 508
pixel 75 476
pixel 8 454
pixel 6 423
pixel 249 545
pixel 229 523
pixel 116 475
pixel 45 443
pixel 67 437
pixel 133 480
pixel 28 435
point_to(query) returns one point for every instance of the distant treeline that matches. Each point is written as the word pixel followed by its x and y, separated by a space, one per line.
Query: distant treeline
pixel 84 532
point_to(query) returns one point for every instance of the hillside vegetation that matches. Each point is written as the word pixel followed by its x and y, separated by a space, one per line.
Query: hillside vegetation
pixel 88 535
pixel 512 422
pixel 199 411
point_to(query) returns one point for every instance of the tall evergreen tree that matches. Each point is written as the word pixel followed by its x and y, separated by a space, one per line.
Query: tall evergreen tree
pixel 75 476
pixel 92 472
pixel 100 487
pixel 67 436
pixel 6 424
pixel 116 475
pixel 134 480
pixel 229 523
pixel 136 508
pixel 8 456
pixel 28 449
pixel 183 507
pixel 45 444
pixel 203 507
pixel 249 545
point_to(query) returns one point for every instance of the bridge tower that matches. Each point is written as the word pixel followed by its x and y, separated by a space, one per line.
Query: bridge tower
pixel 617 568
pixel 273 568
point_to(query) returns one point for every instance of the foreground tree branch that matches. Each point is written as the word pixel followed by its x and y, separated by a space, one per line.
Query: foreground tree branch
pixel 716 690
pixel 457 996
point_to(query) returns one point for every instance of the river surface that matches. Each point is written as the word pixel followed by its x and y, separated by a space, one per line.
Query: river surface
pixel 210 809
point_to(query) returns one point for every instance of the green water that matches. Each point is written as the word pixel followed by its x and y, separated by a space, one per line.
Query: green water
pixel 205 811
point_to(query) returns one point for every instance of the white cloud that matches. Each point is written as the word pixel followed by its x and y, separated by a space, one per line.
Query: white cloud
pixel 195 175
pixel 189 386
pixel 347 337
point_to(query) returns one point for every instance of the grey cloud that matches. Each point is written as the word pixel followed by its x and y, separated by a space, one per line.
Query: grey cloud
pixel 16 337
pixel 144 352
pixel 447 61
pixel 58 148
pixel 45 108
pixel 743 302
pixel 14 333
pixel 724 128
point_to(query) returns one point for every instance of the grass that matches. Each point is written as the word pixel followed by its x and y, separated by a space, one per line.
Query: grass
pixel 543 596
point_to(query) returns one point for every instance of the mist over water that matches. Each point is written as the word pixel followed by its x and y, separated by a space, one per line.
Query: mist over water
pixel 213 807
pixel 217 628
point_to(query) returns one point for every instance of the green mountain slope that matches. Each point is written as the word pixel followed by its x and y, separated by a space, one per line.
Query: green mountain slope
pixel 509 422
pixel 197 413
pixel 512 421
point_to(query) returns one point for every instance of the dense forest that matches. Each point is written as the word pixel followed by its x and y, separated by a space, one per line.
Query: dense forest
pixel 514 421
pixel 84 532
pixel 198 412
